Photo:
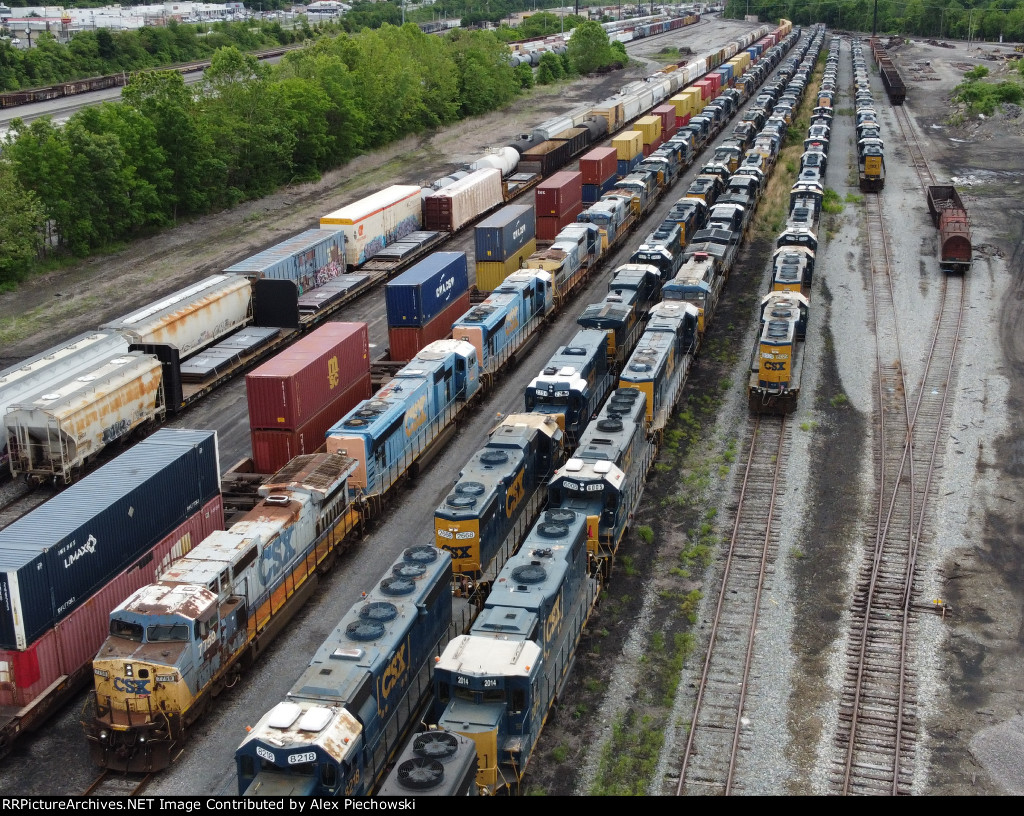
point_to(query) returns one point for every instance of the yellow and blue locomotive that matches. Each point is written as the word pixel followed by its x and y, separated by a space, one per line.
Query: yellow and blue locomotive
pixel 175 644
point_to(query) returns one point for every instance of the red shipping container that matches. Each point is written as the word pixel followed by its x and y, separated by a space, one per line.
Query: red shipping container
pixel 272 449
pixel 716 83
pixel 707 92
pixel 68 650
pixel 559 194
pixel 599 165
pixel 301 381
pixel 549 227
pixel 406 341
pixel 667 114
pixel 648 150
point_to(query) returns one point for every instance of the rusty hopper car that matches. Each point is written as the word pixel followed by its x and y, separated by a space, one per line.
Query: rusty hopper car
pixel 60 431
pixel 950 216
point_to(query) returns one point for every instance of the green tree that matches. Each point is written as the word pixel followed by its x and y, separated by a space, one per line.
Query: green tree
pixel 21 227
pixel 551 65
pixel 588 48
pixel 524 76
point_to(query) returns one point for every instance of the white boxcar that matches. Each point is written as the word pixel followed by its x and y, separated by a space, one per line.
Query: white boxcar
pixel 29 377
pixel 62 428
pixel 376 221
pixel 467 199
pixel 191 318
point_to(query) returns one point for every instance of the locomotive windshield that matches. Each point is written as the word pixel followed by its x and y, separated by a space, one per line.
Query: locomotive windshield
pixel 125 629
pixel 164 633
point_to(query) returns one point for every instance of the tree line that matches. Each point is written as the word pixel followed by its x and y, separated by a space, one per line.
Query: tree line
pixel 949 19
pixel 169 151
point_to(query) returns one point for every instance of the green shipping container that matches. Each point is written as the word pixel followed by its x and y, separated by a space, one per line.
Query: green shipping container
pixel 491 274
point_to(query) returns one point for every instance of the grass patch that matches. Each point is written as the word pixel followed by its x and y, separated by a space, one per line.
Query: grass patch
pixel 560 754
pixel 831 202
pixel 853 198
pixel 796 552
pixel 808 426
pixel 628 566
pixel 645 533
pixel 839 400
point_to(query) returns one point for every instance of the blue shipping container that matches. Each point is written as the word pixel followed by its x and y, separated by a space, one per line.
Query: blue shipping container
pixel 626 167
pixel 593 192
pixel 60 554
pixel 308 259
pixel 420 294
pixel 503 234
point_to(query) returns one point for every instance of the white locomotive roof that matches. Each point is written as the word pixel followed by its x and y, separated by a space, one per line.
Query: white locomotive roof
pixel 479 656
pixel 290 725
pixel 188 600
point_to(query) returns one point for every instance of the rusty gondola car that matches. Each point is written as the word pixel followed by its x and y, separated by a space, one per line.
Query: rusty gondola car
pixel 950 217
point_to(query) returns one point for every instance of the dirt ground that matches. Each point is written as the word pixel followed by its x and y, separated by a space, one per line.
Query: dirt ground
pixel 974 722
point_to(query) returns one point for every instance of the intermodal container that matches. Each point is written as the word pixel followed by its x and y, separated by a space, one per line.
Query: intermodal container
pixel 454 206
pixel 491 274
pixel 549 226
pixel 376 221
pixel 308 260
pixel 624 168
pixel 406 341
pixel 193 317
pixel 421 293
pixel 593 192
pixel 274 448
pixel 559 194
pixel 707 89
pixel 502 235
pixel 598 165
pixel 296 385
pixel 667 114
pixel 69 647
pixel 628 145
pixel 53 559
pixel 650 127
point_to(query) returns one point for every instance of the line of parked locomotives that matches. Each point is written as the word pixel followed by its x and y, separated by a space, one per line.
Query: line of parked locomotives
pixel 276 552
pixel 63 407
pixel 72 574
pixel 870 147
pixel 525 533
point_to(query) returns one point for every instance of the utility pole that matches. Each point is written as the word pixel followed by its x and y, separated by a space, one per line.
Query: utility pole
pixel 874 20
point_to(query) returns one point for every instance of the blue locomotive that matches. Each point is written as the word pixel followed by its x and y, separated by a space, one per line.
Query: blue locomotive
pixel 386 433
pixel 574 383
pixel 347 715
pixel 496 684
pixel 498 495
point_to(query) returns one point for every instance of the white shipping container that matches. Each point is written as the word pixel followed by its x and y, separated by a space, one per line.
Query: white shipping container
pixel 473 196
pixel 376 221
pixel 191 318
pixel 76 418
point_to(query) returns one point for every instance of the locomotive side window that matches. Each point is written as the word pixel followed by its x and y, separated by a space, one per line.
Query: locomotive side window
pixel 131 631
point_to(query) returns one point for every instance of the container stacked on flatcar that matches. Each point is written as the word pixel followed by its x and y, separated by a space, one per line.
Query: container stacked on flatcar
pixel 296 397
pixel 423 302
pixel 599 169
pixel 558 201
pixel 65 565
pixel 373 222
pixel 503 242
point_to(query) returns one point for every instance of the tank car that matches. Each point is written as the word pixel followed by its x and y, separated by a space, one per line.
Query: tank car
pixel 574 383
pixel 496 684
pixel 497 497
pixel 175 644
pixel 347 715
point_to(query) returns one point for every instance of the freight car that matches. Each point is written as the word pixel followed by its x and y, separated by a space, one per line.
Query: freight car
pixel 950 217
pixel 212 613
pixel 65 565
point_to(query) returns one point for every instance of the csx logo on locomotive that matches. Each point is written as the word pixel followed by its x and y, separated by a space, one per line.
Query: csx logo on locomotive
pixel 130 685
pixel 394 673
pixel 516 493
pixel 775 366
pixel 277 555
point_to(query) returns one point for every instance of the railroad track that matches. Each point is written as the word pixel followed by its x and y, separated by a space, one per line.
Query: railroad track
pixel 917 156
pixel 111 784
pixel 714 745
pixel 878 716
